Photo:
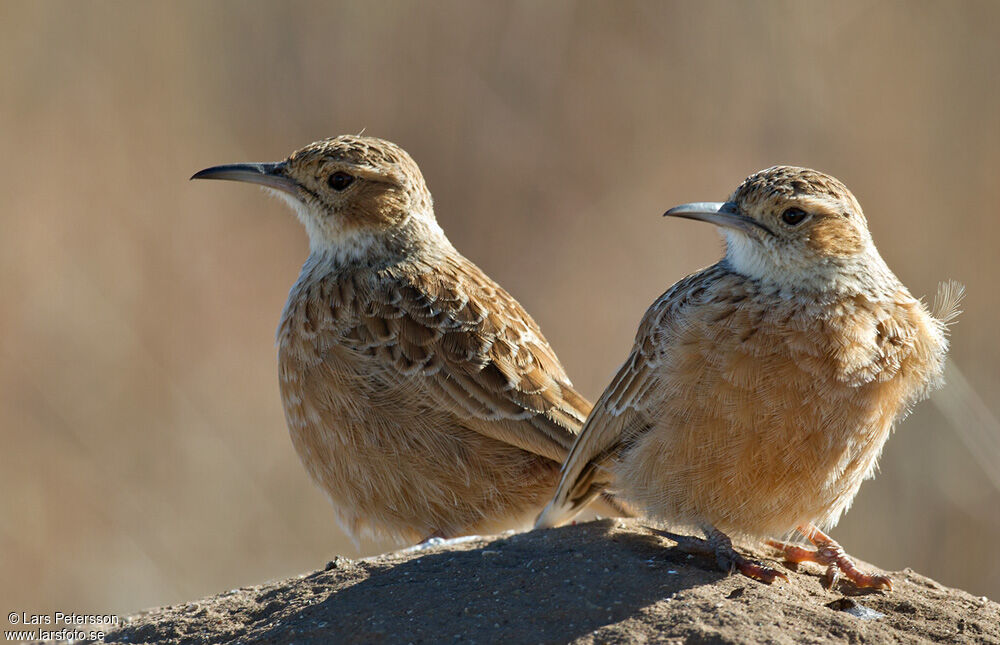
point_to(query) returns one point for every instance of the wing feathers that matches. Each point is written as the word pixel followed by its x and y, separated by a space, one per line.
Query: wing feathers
pixel 466 345
pixel 622 412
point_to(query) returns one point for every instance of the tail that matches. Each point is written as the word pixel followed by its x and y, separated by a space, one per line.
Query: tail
pixel 947 302
pixel 612 426
pixel 556 514
pixel 618 507
pixel 589 490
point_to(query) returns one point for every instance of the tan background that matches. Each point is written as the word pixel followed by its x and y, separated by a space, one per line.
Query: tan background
pixel 144 454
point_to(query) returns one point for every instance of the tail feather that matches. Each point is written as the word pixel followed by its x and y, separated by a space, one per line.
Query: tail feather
pixel 617 506
pixel 948 301
pixel 556 513
pixel 588 495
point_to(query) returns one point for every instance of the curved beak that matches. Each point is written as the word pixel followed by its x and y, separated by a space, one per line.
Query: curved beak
pixel 726 214
pixel 270 175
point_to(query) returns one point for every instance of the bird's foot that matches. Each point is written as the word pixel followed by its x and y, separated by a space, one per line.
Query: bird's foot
pixel 832 555
pixel 437 538
pixel 719 546
pixel 730 560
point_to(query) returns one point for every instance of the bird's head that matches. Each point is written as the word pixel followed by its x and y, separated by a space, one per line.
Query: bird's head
pixel 795 227
pixel 349 192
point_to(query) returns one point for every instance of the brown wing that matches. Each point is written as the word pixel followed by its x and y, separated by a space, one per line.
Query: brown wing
pixel 465 344
pixel 626 409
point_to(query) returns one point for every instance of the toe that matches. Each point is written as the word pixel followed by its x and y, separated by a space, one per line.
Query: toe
pixel 869 581
pixel 686 543
pixel 759 571
pixel 793 552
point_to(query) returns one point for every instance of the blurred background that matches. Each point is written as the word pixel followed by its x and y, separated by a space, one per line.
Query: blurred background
pixel 145 458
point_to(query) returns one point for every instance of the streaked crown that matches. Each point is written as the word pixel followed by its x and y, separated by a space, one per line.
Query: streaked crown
pixel 794 226
pixel 347 191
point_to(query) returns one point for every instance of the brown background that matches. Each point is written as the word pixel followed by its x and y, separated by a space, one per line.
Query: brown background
pixel 144 454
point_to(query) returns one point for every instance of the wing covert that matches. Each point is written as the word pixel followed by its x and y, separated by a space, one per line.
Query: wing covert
pixel 465 344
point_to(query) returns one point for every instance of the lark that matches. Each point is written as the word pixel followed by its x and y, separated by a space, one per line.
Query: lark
pixel 760 391
pixel 420 396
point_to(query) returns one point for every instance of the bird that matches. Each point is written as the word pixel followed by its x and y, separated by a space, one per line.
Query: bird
pixel 760 391
pixel 420 396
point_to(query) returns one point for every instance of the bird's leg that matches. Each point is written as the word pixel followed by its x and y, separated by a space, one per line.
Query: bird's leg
pixel 719 545
pixel 729 560
pixel 686 543
pixel 831 554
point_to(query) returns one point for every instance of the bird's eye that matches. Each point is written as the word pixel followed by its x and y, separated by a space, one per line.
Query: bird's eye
pixel 793 216
pixel 340 180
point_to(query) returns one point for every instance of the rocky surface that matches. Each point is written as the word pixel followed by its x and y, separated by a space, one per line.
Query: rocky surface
pixel 601 582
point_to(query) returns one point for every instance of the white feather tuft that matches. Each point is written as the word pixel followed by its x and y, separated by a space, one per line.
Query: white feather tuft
pixel 948 301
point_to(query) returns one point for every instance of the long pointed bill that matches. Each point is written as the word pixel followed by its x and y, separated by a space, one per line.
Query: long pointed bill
pixel 725 214
pixel 271 175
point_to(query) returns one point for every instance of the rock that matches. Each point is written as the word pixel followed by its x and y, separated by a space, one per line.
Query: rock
pixel 609 581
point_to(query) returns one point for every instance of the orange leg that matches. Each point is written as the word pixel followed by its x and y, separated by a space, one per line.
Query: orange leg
pixel 717 544
pixel 831 554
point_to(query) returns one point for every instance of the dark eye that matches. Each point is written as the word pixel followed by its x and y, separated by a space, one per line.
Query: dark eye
pixel 340 180
pixel 793 216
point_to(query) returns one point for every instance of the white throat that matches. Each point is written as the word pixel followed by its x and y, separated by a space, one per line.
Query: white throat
pixel 342 246
pixel 863 273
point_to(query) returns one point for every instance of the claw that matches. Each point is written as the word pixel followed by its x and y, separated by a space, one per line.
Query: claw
pixel 719 545
pixel 686 543
pixel 758 571
pixel 831 554
pixel 831 576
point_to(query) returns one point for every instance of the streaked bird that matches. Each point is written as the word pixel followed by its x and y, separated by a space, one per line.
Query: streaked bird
pixel 420 396
pixel 760 391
